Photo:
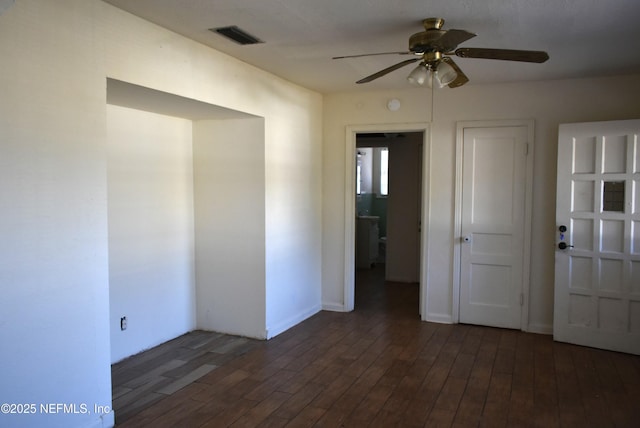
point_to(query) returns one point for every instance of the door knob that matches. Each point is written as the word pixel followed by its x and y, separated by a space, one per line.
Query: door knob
pixel 564 246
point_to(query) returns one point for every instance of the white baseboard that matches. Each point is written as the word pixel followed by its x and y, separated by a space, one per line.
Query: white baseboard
pixel 107 420
pixel 439 318
pixel 276 329
pixel 540 328
pixel 333 307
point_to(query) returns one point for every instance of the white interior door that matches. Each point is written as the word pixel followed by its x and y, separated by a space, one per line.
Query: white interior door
pixel 492 248
pixel 597 275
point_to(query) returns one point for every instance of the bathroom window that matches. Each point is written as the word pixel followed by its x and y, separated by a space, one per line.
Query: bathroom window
pixel 383 176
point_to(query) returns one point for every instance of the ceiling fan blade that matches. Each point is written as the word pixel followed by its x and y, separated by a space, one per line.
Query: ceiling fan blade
pixel 451 39
pixel 387 70
pixel 503 54
pixel 373 54
pixel 461 79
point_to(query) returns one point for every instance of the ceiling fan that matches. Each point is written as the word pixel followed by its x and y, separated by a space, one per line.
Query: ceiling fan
pixel 434 47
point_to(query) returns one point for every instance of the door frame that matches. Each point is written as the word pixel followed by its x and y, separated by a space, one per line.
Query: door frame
pixel 457 234
pixel 350 205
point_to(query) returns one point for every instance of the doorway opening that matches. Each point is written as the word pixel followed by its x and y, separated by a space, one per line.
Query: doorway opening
pixel 386 215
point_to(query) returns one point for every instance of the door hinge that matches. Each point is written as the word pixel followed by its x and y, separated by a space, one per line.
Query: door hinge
pixel 521 299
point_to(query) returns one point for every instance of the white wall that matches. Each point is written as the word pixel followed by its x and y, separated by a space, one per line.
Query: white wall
pixel 147 55
pixel 151 249
pixel 54 308
pixel 54 304
pixel 293 209
pixel 548 103
pixel 230 225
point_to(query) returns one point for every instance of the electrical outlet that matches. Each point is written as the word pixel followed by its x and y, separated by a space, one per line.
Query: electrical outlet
pixel 123 323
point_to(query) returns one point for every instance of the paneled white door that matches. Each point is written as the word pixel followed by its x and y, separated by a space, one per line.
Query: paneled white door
pixel 494 188
pixel 597 274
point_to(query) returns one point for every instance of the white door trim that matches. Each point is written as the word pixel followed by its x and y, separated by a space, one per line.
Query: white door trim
pixel 457 235
pixel 350 205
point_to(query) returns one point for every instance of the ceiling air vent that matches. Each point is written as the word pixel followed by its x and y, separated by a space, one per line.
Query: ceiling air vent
pixel 237 35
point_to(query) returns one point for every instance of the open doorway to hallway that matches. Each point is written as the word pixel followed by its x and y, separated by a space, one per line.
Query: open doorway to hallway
pixel 388 201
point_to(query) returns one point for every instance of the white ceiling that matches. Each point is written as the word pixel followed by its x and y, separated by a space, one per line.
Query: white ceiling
pixel 584 38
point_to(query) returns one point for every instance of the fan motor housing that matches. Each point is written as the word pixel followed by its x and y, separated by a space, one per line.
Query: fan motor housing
pixel 422 41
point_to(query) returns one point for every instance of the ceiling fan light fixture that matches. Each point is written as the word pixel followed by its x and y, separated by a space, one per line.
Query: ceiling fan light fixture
pixel 445 74
pixel 434 47
pixel 420 75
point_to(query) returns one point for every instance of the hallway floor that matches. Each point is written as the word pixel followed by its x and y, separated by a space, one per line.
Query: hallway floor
pixel 377 366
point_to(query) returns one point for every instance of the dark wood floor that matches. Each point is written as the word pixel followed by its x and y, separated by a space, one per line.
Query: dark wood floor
pixel 377 366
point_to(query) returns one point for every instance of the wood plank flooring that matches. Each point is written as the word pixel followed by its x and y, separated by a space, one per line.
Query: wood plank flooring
pixel 378 366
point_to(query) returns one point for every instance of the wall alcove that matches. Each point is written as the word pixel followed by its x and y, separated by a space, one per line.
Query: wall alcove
pixel 182 177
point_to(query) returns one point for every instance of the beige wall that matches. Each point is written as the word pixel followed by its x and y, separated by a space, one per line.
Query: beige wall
pixel 548 103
